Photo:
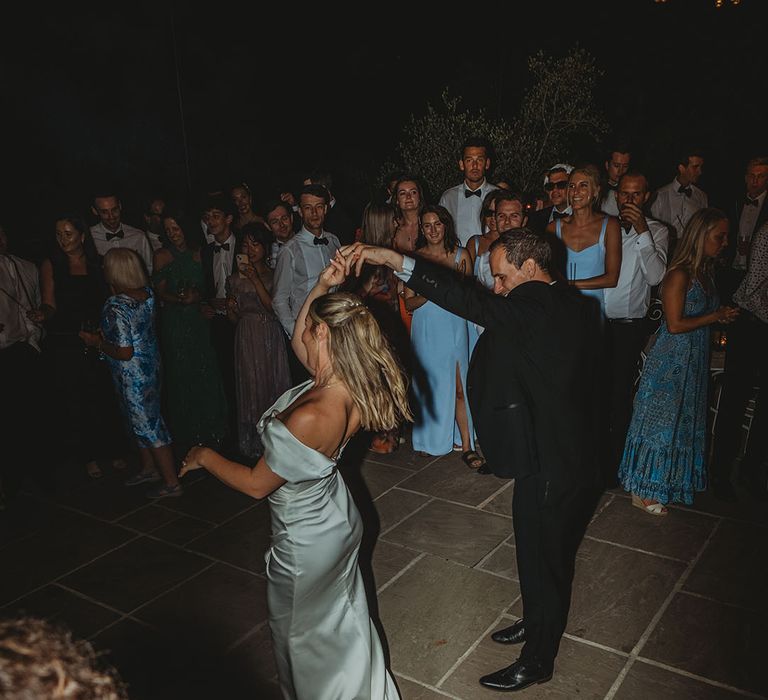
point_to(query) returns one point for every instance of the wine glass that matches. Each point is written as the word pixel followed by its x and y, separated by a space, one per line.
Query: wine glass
pixel 182 289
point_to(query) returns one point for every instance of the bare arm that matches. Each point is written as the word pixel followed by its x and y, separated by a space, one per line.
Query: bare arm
pixel 412 300
pixel 673 301
pixel 257 482
pixel 610 277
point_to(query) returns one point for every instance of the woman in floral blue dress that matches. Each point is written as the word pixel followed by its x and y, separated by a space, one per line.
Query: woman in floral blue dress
pixel 664 454
pixel 129 343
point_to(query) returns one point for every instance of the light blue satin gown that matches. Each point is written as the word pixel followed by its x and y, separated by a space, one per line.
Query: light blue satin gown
pixel 325 644
pixel 440 342
pixel 587 263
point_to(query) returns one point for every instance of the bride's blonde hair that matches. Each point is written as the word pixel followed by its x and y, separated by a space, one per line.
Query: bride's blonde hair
pixel 363 359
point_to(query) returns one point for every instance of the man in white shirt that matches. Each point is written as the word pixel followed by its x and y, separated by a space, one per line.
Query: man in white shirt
pixel 675 203
pixel 616 164
pixel 464 201
pixel 153 222
pixel 644 243
pixel 20 397
pixel 111 232
pixel 279 220
pixel 304 257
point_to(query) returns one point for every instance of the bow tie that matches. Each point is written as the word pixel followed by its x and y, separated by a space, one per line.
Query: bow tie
pixel 613 187
pixel 626 227
pixel 473 193
pixel 320 241
pixel 687 191
pixel 116 234
pixel 749 202
pixel 558 214
pixel 217 248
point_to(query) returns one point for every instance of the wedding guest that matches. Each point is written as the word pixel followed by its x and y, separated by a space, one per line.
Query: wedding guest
pixel 644 244
pixel 591 238
pixel 197 410
pixel 243 201
pixel 664 454
pixel 21 333
pixel 441 350
pixel 128 341
pixel 478 245
pixel 261 361
pixel 337 221
pixel 153 221
pixel 279 218
pixel 409 202
pixel 675 203
pixel 73 293
pixel 746 365
pixel 616 164
pixel 324 641
pixel 111 232
pixel 464 201
pixel 556 187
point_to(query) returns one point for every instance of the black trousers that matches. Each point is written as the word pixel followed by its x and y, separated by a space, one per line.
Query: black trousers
pixel 746 366
pixel 22 404
pixel 625 343
pixel 549 519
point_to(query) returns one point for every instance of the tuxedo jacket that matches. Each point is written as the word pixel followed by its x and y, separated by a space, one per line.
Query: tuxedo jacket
pixel 209 281
pixel 532 378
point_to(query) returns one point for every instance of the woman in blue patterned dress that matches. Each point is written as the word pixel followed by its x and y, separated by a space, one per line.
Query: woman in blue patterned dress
pixel 664 454
pixel 129 343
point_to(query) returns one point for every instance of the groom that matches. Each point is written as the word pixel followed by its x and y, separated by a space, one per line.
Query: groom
pixel 531 380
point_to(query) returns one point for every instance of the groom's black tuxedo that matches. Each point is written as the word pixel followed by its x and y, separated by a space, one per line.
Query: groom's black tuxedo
pixel 532 384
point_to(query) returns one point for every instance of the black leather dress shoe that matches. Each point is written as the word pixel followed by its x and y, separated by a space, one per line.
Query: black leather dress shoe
pixel 517 676
pixel 510 635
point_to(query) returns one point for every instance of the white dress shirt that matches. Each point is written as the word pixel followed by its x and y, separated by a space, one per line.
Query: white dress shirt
pixel 465 210
pixel 747 222
pixel 277 248
pixel 19 282
pixel 222 266
pixel 133 238
pixel 609 205
pixel 298 267
pixel 675 208
pixel 643 264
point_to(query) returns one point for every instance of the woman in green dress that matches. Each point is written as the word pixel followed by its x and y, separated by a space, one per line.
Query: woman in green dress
pixel 195 403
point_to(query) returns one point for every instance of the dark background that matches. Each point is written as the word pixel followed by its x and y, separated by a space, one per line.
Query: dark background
pixel 90 93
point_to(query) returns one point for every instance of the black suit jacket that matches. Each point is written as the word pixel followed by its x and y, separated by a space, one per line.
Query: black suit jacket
pixel 206 258
pixel 532 377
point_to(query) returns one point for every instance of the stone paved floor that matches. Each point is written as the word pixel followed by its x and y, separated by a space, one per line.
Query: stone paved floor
pixel 174 591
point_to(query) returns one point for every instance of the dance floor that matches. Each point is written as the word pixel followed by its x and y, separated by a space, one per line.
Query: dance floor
pixel 174 591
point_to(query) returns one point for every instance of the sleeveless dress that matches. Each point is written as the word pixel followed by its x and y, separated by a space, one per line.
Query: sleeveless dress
pixel 587 263
pixel 325 644
pixel 197 410
pixel 440 342
pixel 126 322
pixel 261 363
pixel 664 454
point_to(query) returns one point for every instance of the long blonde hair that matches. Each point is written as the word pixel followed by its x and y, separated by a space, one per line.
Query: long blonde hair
pixel 689 253
pixel 124 270
pixel 363 359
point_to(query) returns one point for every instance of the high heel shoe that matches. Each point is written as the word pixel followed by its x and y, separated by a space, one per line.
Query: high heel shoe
pixel 654 508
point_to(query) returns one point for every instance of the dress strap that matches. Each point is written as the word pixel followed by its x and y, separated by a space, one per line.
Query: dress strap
pixel 601 240
pixel 558 231
pixel 458 256
pixel 477 245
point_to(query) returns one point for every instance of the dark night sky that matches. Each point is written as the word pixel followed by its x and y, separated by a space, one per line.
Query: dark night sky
pixel 91 96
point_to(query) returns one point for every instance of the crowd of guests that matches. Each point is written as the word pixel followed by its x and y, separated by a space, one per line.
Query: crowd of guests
pixel 152 340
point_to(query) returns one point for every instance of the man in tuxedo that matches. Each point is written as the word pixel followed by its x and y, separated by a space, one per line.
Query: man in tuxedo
pixel 21 333
pixel 336 219
pixel 111 232
pixel 219 261
pixel 531 387
pixel 464 201
pixel 279 220
pixel 556 187
pixel 644 244
pixel 675 203
pixel 616 164
pixel 747 215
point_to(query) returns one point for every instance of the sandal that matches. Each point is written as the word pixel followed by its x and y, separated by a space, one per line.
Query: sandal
pixel 652 508
pixel 93 470
pixel 472 459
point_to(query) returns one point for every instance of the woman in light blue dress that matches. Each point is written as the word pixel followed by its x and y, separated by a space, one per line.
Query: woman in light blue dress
pixel 325 644
pixel 441 352
pixel 129 344
pixel 664 454
pixel 592 239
